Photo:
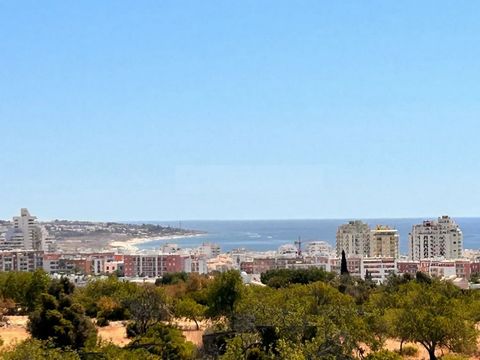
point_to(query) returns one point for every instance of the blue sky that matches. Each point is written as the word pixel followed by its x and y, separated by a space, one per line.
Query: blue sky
pixel 120 110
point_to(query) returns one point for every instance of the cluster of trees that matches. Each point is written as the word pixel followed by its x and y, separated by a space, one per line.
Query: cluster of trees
pixel 299 315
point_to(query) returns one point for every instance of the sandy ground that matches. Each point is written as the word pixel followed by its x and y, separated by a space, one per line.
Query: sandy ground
pixel 115 332
pixel 132 244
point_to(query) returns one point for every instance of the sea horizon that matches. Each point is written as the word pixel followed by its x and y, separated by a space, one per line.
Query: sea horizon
pixel 266 235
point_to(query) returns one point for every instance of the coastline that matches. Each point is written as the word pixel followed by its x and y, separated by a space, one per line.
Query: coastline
pixel 132 244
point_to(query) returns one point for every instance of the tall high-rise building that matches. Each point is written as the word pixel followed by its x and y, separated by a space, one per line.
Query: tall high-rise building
pixel 440 238
pixel 384 242
pixel 26 234
pixel 354 239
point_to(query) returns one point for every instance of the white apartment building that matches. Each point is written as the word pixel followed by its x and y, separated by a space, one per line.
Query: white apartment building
pixel 354 239
pixel 208 250
pixel 319 248
pixel 26 234
pixel 378 268
pixel 436 239
pixel 384 242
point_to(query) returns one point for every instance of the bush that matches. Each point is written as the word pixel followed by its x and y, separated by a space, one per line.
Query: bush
pixel 384 355
pixel 409 350
pixel 32 349
pixel 454 357
pixel 101 321
pixel 132 330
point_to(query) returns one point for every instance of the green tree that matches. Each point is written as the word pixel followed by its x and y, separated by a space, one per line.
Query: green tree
pixel 285 277
pixel 148 307
pixel 434 314
pixel 38 285
pixel 223 295
pixel 343 265
pixel 166 342
pixel 94 295
pixel 33 349
pixel 190 309
pixel 60 320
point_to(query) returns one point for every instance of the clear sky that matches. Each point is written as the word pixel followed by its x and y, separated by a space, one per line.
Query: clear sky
pixel 138 110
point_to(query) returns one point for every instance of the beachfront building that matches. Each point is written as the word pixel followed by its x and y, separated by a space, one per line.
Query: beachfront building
pixel 26 234
pixel 436 239
pixel 354 239
pixel 384 242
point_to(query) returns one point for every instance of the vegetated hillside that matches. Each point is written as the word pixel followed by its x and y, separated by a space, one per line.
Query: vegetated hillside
pixel 300 314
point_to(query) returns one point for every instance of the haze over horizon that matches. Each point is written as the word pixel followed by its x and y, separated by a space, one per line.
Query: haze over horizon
pixel 252 110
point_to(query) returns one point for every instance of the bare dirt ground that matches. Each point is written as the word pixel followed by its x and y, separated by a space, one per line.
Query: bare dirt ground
pixel 115 332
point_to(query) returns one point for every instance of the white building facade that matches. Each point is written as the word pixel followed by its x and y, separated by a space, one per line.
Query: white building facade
pixel 436 239
pixel 354 239
pixel 27 234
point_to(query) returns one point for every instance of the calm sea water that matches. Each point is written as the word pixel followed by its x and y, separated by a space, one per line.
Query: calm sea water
pixel 262 235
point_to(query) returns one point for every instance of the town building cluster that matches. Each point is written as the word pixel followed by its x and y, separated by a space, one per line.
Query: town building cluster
pixel 435 247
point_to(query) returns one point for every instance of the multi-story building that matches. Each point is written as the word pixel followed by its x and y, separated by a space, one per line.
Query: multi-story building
pixel 354 239
pixel 436 239
pixel 20 260
pixel 153 266
pixel 208 250
pixel 27 234
pixel 407 267
pixel 195 264
pixel 460 268
pixel 384 242
pixel 378 268
pixel 319 248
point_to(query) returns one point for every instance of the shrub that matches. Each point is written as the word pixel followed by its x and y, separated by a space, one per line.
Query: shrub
pixel 409 350
pixel 383 355
pixel 101 321
pixel 454 357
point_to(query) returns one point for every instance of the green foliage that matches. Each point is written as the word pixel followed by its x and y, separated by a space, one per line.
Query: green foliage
pixel 408 350
pixel 343 265
pixel 109 351
pixel 383 355
pixel 431 313
pixel 107 298
pixel 173 278
pixel 316 316
pixel 475 278
pixel 190 309
pixel 454 357
pixel 148 307
pixel 23 288
pixel 166 342
pixel 285 277
pixel 223 295
pixel 33 349
pixel 60 320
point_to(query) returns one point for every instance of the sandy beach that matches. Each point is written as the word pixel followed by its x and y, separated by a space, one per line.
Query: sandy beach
pixel 132 244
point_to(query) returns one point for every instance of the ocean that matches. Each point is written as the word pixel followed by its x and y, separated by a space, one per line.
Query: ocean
pixel 263 235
